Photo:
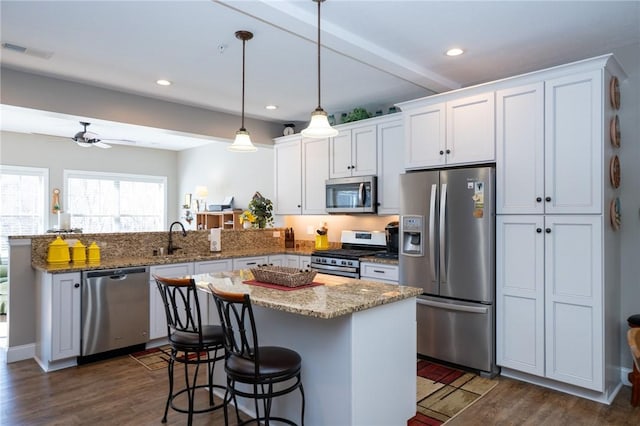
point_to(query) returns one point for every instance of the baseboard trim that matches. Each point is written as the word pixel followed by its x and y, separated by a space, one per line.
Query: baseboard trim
pixel 624 376
pixel 21 353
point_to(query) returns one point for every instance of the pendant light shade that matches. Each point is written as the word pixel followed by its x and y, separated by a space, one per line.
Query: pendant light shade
pixel 319 126
pixel 242 142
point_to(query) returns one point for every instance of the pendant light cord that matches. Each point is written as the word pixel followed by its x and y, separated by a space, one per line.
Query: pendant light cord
pixel 319 103
pixel 243 48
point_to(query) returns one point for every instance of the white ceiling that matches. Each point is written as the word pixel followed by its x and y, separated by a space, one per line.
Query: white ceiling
pixel 376 53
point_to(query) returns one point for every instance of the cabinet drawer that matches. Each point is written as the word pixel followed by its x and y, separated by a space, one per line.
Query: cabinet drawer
pixel 249 262
pixel 175 270
pixel 213 266
pixel 379 271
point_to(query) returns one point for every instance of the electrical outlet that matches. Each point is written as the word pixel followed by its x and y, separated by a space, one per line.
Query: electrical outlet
pixel 276 234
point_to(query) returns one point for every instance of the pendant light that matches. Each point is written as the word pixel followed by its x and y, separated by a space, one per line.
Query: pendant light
pixel 319 126
pixel 242 142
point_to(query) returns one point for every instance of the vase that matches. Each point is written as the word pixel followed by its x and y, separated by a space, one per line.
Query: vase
pixel 246 225
pixel 262 223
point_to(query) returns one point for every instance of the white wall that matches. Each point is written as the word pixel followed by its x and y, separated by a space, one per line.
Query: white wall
pixel 226 173
pixel 629 154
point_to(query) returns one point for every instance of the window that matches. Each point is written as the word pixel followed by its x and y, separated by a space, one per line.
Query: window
pixel 23 203
pixel 112 202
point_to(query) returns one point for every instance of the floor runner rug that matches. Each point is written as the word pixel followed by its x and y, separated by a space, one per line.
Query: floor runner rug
pixel 156 358
pixel 444 392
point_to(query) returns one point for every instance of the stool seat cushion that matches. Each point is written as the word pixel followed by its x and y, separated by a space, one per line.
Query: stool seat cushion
pixel 634 320
pixel 274 362
pixel 211 336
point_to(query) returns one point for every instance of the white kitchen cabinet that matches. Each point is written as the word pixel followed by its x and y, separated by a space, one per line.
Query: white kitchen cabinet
pixel 58 322
pixel 379 272
pixel 305 262
pixel 549 297
pixel 288 176
pixel 276 260
pixel 301 169
pixel 459 131
pixel 157 315
pixel 390 165
pixel 520 150
pixel 249 262
pixel 315 171
pixel 211 266
pixel 573 143
pixel 292 261
pixel 556 319
pixel 520 331
pixel 353 152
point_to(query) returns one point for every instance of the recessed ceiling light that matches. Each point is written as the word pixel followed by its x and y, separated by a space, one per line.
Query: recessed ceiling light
pixel 455 51
pixel 271 107
pixel 163 82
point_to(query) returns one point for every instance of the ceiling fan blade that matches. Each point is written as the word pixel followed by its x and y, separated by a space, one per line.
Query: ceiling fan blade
pixel 101 145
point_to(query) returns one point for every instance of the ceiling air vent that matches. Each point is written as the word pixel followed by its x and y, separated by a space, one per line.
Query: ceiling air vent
pixel 43 54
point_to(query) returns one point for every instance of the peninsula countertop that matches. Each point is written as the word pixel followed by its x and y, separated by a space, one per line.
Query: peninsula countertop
pixel 336 297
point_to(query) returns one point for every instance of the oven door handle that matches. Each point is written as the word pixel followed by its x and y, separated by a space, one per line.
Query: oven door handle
pixel 334 268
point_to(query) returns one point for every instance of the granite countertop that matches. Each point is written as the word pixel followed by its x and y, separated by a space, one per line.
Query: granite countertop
pixel 126 262
pixel 336 297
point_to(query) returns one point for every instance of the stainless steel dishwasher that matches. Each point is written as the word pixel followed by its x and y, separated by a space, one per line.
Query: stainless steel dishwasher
pixel 115 309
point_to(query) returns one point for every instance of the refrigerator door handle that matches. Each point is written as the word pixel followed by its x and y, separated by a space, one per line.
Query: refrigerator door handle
pixel 432 229
pixel 453 307
pixel 442 233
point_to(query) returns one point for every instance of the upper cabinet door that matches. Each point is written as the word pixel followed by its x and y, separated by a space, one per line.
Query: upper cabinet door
pixel 573 144
pixel 364 151
pixel 424 135
pixel 390 165
pixel 340 155
pixel 520 150
pixel 288 172
pixel 353 152
pixel 315 171
pixel 470 129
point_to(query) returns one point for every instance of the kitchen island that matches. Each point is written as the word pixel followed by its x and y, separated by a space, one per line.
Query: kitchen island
pixel 357 340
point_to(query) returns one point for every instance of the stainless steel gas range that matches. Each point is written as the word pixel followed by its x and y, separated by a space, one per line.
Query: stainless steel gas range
pixel 345 261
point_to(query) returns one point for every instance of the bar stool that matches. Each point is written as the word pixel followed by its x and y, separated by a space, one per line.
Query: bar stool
pixel 191 343
pixel 256 367
pixel 634 376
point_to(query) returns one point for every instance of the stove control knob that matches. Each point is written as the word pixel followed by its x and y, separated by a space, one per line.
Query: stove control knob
pixel 333 261
pixel 343 262
pixel 350 263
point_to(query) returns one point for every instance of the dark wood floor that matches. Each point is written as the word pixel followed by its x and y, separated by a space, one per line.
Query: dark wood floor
pixel 120 391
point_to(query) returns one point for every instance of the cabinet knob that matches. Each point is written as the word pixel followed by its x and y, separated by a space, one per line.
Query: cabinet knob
pixel 299 206
pixel 76 285
pixel 441 152
pixel 448 151
pixel 548 230
pixel 538 230
pixel 547 199
pixel 539 199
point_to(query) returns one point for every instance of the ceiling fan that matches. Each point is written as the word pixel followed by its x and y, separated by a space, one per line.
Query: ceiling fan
pixel 87 139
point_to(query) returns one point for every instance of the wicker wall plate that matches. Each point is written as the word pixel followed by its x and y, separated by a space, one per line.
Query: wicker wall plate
pixel 614 131
pixel 614 213
pixel 614 171
pixel 614 92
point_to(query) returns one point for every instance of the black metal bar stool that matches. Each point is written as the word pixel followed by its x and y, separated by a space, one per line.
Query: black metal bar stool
pixel 259 368
pixel 191 343
pixel 634 376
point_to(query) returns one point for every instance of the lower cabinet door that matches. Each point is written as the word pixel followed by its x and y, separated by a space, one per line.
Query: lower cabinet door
pixel 65 312
pixel 520 293
pixel 157 315
pixel 573 296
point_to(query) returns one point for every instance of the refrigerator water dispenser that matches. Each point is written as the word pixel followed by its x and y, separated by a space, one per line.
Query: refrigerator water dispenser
pixel 412 235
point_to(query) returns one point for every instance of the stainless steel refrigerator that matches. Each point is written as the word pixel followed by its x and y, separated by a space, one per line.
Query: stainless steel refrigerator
pixel 447 247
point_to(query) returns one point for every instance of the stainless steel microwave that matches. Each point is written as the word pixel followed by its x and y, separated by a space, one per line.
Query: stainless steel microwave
pixel 352 195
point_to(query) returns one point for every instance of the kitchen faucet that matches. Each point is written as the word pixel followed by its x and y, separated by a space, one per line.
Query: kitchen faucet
pixel 171 249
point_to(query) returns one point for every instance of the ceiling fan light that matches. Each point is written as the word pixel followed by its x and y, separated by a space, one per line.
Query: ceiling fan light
pixel 319 126
pixel 242 142
pixel 83 144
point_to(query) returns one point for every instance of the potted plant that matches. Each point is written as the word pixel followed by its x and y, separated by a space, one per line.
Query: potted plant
pixel 262 210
